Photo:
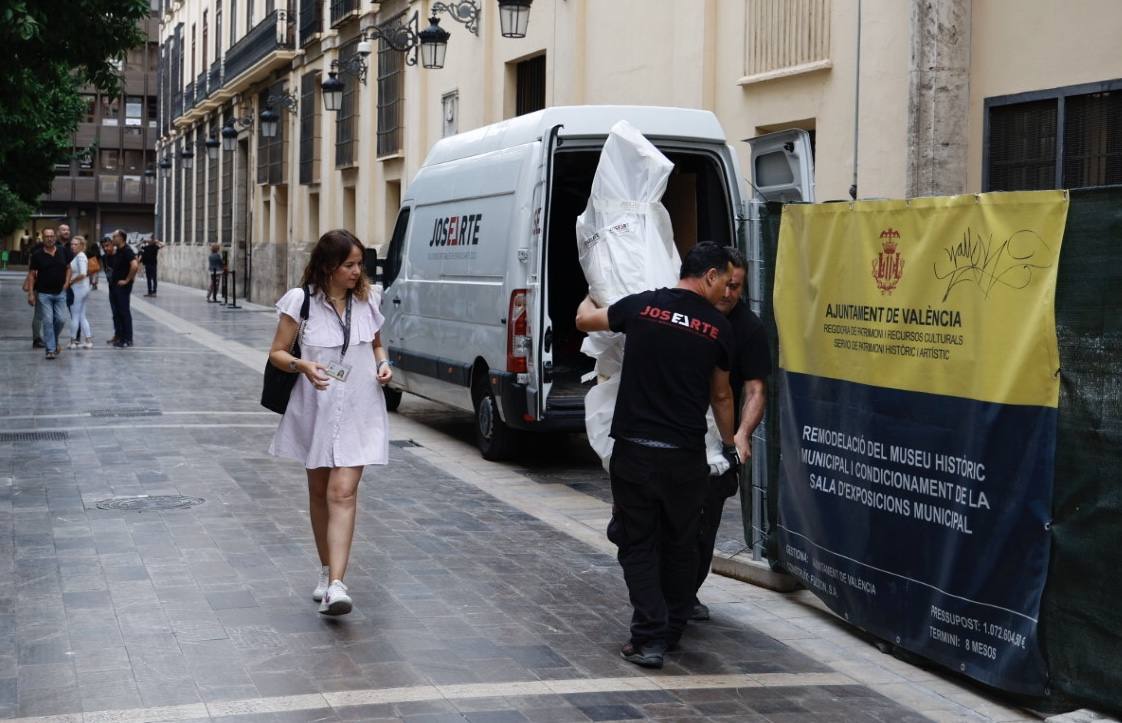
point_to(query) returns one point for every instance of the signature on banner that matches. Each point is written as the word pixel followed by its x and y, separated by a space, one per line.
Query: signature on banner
pixel 979 260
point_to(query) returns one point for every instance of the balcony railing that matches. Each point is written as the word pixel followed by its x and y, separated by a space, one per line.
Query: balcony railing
pixel 265 37
pixel 177 104
pixel 200 87
pixel 188 97
pixel 311 20
pixel 342 9
pixel 214 82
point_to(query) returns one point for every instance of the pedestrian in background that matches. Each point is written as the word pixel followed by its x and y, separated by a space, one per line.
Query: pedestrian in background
pixel 675 365
pixel 109 252
pixel 63 243
pixel 93 258
pixel 124 271
pixel 148 253
pixel 751 364
pixel 80 285
pixel 48 277
pixel 336 421
pixel 47 238
pixel 215 266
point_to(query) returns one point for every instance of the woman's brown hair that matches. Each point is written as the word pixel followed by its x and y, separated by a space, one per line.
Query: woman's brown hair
pixel 329 253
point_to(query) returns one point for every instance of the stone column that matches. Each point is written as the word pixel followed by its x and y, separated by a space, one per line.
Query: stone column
pixel 938 97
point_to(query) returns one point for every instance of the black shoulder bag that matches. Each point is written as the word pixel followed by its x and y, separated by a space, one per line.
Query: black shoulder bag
pixel 278 384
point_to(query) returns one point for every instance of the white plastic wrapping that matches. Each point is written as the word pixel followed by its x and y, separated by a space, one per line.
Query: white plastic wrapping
pixel 625 244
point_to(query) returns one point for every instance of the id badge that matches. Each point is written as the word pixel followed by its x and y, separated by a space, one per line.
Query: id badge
pixel 338 371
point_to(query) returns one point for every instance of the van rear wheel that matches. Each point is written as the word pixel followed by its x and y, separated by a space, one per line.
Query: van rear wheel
pixel 393 398
pixel 495 439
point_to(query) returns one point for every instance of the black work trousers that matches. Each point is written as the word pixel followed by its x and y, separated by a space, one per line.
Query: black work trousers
pixel 150 275
pixel 120 298
pixel 657 496
pixel 719 489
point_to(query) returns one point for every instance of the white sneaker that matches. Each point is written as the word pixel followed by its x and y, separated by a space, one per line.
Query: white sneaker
pixel 72 345
pixel 324 582
pixel 336 601
pixel 88 344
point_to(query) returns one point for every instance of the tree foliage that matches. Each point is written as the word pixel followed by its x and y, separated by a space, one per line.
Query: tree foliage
pixel 53 48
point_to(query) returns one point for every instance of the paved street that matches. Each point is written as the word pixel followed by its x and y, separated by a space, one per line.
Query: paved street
pixel 483 591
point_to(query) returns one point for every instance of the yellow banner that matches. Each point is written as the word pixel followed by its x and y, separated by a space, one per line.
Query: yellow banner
pixel 948 295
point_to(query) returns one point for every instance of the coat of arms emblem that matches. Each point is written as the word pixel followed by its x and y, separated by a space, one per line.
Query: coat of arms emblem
pixel 888 266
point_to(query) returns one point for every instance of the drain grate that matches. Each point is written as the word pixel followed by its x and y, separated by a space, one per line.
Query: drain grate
pixel 144 503
pixel 126 412
pixel 34 436
pixel 403 443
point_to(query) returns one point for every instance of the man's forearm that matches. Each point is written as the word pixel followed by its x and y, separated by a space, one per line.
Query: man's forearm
pixel 752 410
pixel 722 413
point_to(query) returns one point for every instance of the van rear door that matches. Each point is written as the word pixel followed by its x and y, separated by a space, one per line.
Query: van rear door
pixel 541 371
pixel 782 166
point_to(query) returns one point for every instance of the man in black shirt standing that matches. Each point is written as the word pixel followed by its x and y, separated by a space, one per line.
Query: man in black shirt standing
pixel 48 277
pixel 148 253
pixel 675 365
pixel 751 364
pixel 120 289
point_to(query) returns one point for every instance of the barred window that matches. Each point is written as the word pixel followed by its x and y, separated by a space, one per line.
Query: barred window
pixel 391 100
pixel 212 197
pixel 1060 138
pixel 270 151
pixel 227 188
pixel 531 86
pixel 309 128
pixel 346 120
pixel 182 188
pixel 200 185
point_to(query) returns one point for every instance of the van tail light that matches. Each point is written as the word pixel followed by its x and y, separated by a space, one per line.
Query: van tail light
pixel 517 333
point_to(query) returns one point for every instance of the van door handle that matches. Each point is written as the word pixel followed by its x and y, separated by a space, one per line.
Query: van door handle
pixel 396 301
pixel 547 340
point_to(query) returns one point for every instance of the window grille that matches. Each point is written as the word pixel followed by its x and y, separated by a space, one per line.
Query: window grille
pixel 391 100
pixel 200 165
pixel 309 128
pixel 531 86
pixel 346 120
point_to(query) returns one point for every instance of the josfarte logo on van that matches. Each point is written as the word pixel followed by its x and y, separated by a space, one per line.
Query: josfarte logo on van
pixel 456 230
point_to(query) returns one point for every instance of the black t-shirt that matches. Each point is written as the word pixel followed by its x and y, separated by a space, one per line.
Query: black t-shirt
pixel 148 254
pixel 751 353
pixel 64 248
pixel 674 340
pixel 50 271
pixel 121 261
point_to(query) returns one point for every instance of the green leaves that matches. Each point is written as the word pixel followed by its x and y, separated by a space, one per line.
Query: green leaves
pixel 52 47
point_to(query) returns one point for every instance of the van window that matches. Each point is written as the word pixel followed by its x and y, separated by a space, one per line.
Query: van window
pixel 397 244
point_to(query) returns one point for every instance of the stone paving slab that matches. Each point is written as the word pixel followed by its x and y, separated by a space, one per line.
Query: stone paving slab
pixel 481 593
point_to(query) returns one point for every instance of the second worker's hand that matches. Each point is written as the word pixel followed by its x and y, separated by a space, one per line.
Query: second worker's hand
pixel 314 374
pixel 743 448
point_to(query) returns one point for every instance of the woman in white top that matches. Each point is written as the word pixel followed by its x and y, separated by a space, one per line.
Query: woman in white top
pixel 336 421
pixel 80 285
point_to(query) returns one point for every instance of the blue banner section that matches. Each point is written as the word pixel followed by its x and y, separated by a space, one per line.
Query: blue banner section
pixel 923 519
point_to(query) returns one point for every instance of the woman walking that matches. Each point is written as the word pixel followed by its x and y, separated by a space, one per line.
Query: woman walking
pixel 214 266
pixel 80 285
pixel 336 421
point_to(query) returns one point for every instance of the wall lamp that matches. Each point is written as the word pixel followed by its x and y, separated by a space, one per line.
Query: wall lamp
pixel 187 157
pixel 165 167
pixel 232 128
pixel 514 17
pixel 270 119
pixel 212 145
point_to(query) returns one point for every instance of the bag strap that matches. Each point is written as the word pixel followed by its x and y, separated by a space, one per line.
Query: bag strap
pixel 303 321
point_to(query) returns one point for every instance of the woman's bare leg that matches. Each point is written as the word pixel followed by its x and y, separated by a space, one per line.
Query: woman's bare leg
pixel 342 495
pixel 317 507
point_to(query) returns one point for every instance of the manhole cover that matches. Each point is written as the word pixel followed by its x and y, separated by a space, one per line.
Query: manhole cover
pixel 142 503
pixel 34 436
pixel 403 443
pixel 126 412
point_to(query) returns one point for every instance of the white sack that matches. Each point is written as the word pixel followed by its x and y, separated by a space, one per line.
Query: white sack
pixel 625 244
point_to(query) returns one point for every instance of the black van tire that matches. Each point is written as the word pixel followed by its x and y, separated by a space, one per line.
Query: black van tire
pixel 495 439
pixel 393 398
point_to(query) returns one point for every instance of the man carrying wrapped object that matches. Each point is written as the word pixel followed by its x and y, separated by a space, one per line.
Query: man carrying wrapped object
pixel 675 364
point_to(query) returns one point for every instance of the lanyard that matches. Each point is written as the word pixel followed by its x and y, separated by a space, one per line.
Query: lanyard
pixel 345 325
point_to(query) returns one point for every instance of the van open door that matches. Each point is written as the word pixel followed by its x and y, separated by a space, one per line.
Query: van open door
pixel 541 372
pixel 782 166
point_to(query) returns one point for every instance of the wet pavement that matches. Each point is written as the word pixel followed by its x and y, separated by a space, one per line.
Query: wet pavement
pixel 483 592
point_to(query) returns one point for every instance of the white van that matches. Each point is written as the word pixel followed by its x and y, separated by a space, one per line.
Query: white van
pixel 481 276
